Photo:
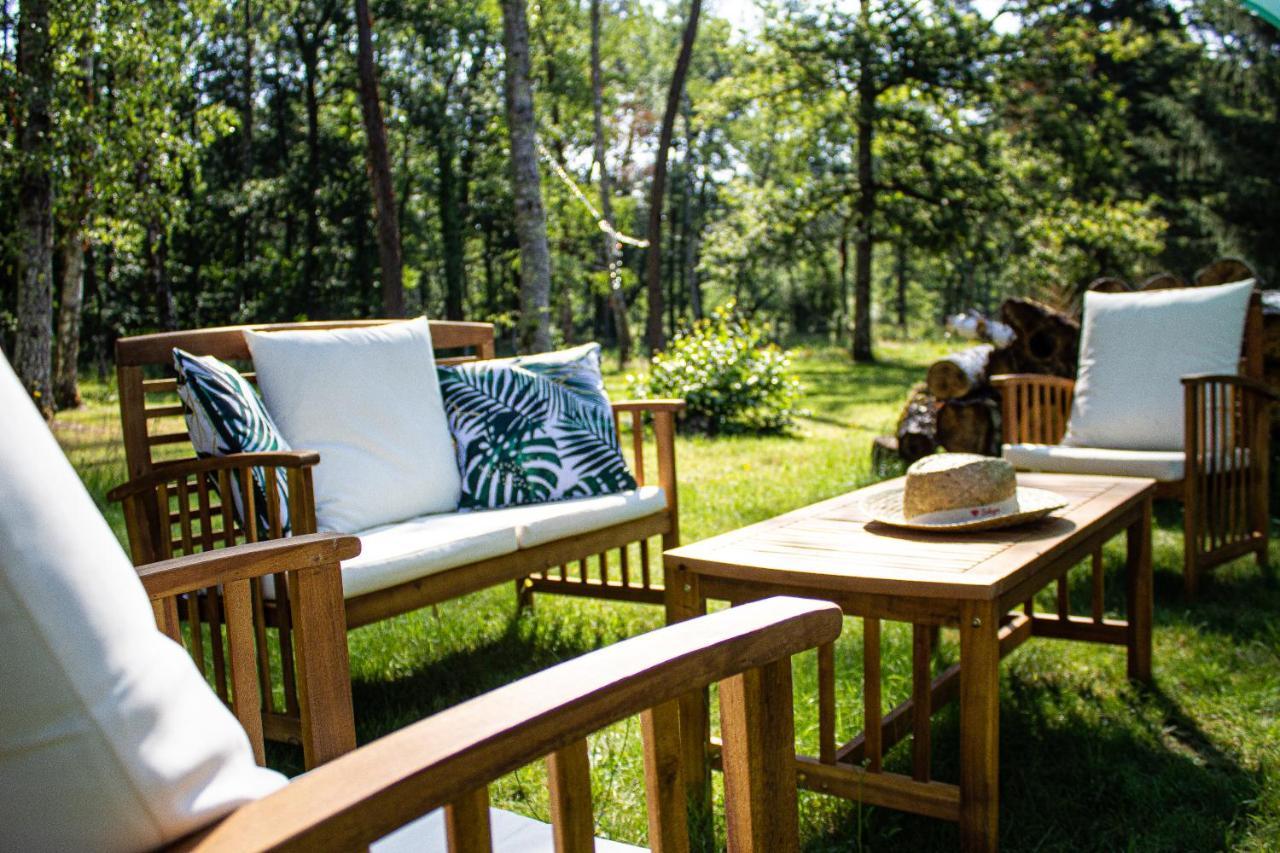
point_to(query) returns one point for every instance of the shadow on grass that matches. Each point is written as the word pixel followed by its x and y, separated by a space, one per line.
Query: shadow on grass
pixel 1076 774
pixel 523 646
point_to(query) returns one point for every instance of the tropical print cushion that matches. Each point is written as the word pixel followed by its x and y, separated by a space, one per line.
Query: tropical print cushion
pixel 225 415
pixel 533 429
pixel 577 369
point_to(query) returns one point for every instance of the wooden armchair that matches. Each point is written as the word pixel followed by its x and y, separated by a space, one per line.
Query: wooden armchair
pixel 448 760
pixel 1221 478
pixel 236 663
pixel 177 504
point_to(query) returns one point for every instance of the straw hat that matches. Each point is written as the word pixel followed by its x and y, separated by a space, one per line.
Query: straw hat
pixel 961 491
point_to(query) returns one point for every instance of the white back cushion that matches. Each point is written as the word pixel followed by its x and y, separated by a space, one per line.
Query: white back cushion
pixel 369 401
pixel 1134 350
pixel 109 737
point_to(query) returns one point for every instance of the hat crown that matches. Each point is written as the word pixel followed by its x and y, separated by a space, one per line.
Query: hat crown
pixel 949 481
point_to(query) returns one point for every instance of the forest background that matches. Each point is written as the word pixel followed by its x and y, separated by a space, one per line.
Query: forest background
pixel 845 170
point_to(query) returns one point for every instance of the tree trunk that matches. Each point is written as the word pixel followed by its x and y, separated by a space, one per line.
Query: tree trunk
pixel 66 392
pixel 610 256
pixel 32 355
pixel 866 207
pixel 245 248
pixel 384 194
pixel 153 254
pixel 66 356
pixel 534 330
pixel 902 284
pixel 309 49
pixel 654 334
pixel 451 237
pixel 843 315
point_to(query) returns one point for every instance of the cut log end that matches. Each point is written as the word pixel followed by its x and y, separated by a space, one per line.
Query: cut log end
pixel 960 373
pixel 971 425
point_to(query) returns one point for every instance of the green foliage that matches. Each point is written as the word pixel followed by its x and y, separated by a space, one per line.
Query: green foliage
pixel 730 375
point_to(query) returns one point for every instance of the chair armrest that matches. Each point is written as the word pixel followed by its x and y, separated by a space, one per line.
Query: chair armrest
pixel 664 434
pixel 168 472
pixel 1033 407
pixel 1225 414
pixel 1246 383
pixel 362 796
pixel 649 406
pixel 224 565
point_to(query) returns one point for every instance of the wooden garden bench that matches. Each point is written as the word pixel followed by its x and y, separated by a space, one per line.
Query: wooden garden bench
pixel 175 503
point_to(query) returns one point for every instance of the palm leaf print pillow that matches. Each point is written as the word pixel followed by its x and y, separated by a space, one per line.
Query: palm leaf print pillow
pixel 225 415
pixel 533 429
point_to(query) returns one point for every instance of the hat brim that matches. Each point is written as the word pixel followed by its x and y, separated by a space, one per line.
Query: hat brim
pixel 1033 504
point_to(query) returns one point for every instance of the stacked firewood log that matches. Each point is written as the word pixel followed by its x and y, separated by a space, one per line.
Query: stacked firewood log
pixel 957 409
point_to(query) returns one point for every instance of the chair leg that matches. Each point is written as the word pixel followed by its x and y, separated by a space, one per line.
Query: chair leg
pixel 524 594
pixel 1191 522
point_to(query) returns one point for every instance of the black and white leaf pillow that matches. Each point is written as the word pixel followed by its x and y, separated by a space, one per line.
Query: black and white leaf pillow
pixel 533 432
pixel 225 415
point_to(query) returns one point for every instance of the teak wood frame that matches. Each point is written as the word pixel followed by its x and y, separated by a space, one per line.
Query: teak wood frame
pixel 1224 490
pixel 176 506
pixel 448 760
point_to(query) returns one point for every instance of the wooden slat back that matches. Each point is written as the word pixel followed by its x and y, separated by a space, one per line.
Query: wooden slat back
pixel 227 616
pixel 144 426
pixel 1035 409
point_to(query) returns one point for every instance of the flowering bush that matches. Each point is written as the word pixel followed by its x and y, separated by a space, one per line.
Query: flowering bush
pixel 732 378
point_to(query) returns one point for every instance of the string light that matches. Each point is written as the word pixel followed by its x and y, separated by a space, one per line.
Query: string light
pixel 605 225
pixel 615 264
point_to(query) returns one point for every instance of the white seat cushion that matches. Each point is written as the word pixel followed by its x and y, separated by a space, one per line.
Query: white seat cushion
pixel 393 554
pixel 1134 350
pixel 396 553
pixel 110 739
pixel 1164 465
pixel 511 833
pixel 368 400
pixel 538 524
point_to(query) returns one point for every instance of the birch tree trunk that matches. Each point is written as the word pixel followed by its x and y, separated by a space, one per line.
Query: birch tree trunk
pixel 66 391
pixel 75 216
pixel 654 333
pixel 384 194
pixel 610 255
pixel 32 356
pixel 534 328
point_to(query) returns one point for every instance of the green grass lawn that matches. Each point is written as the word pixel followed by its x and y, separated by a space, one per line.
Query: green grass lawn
pixel 1088 761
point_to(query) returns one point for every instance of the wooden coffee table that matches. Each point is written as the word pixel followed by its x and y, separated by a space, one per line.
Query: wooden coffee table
pixel 971 582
